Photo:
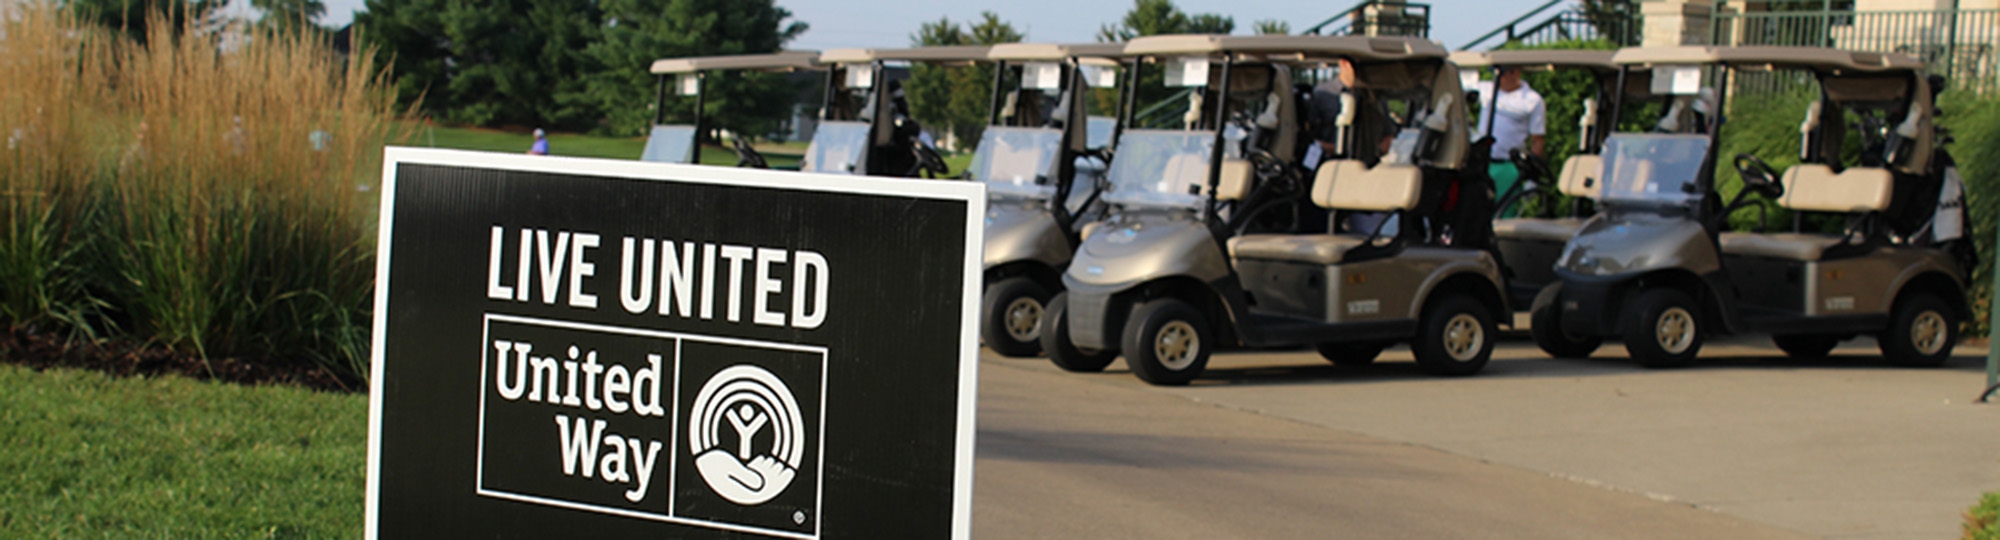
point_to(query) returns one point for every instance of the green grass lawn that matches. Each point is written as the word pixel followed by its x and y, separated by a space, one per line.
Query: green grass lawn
pixel 94 457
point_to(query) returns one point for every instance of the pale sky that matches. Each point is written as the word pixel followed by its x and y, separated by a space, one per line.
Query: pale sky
pixel 889 23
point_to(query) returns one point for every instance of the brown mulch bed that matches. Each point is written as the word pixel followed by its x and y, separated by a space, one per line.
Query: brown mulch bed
pixel 42 351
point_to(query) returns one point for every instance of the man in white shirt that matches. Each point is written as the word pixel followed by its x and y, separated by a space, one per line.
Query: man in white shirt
pixel 1516 118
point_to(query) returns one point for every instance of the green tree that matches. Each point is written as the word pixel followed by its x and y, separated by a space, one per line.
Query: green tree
pixel 641 31
pixel 505 63
pixel 134 17
pixel 1150 18
pixel 1273 27
pixel 956 98
pixel 286 15
pixel 1156 17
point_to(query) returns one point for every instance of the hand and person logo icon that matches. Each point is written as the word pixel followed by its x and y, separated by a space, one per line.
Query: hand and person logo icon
pixel 749 399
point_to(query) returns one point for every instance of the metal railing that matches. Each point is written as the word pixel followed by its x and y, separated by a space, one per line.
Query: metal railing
pixel 1959 44
pixel 1618 26
pixel 1377 18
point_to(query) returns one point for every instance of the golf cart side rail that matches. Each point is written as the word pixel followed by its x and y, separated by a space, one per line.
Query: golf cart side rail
pixel 778 61
pixel 1053 52
pixel 956 54
pixel 1594 60
pixel 1778 57
pixel 1360 48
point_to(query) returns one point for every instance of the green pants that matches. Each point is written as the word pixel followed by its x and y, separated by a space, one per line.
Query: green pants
pixel 1504 176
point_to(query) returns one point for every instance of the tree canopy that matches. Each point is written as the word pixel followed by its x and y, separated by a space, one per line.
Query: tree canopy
pixel 956 98
pixel 573 65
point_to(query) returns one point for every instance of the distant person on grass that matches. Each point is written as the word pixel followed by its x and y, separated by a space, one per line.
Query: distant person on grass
pixel 541 146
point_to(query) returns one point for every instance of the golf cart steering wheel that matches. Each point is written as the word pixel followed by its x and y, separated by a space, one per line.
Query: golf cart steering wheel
pixel 1266 163
pixel 746 156
pixel 1759 176
pixel 929 162
pixel 1532 167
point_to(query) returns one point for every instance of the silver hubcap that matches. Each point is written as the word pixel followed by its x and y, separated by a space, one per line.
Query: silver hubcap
pixel 1176 345
pixel 1024 318
pixel 1928 333
pixel 1463 337
pixel 1675 330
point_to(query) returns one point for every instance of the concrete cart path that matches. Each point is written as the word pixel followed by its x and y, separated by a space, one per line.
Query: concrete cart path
pixel 1842 448
pixel 1068 456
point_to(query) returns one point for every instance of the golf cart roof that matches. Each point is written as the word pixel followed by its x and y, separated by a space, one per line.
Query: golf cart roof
pixel 957 54
pixel 1816 58
pixel 1542 59
pixel 778 61
pixel 1292 49
pixel 1051 52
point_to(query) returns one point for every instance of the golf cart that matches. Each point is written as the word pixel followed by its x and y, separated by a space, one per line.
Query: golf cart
pixel 865 126
pixel 1656 269
pixel 676 143
pixel 1043 181
pixel 1170 275
pixel 1529 246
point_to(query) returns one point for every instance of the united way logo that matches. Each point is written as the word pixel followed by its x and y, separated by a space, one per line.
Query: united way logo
pixel 746 434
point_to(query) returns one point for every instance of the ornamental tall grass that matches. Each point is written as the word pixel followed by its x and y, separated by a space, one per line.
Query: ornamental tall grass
pixel 209 193
pixel 52 117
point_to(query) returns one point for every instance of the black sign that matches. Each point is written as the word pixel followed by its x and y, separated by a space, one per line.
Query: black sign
pixel 573 348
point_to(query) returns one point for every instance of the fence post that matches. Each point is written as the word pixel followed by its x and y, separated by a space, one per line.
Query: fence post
pixel 1993 330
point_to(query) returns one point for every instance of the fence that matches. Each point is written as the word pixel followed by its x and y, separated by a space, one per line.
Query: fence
pixel 1959 44
pixel 1377 18
pixel 1615 22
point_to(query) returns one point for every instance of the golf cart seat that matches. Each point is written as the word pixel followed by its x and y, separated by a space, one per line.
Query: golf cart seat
pixel 1340 185
pixel 1579 179
pixel 1815 187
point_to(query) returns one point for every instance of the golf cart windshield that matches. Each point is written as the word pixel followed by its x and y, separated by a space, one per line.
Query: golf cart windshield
pixel 1653 169
pixel 669 144
pixel 1015 160
pixel 836 148
pixel 1098 131
pixel 1160 168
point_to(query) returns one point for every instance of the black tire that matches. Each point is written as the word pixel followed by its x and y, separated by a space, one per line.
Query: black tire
pixel 1357 353
pixel 1806 346
pixel 1013 309
pixel 1664 329
pixel 1921 333
pixel 1545 323
pixel 1055 341
pixel 1167 342
pixel 1455 337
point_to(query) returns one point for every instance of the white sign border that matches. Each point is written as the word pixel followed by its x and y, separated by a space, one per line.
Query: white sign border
pixel 973 194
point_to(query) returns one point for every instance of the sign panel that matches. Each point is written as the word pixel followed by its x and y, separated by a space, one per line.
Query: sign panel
pixel 648 350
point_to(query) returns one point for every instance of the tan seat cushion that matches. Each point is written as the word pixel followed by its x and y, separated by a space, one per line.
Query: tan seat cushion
pixel 1789 246
pixel 1306 248
pixel 1237 176
pixel 1546 230
pixel 1580 176
pixel 1350 185
pixel 1814 187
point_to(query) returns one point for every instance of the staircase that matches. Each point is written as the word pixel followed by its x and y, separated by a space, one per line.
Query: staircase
pixel 1614 21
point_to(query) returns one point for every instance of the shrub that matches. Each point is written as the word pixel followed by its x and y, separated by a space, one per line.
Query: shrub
pixel 1982 521
pixel 206 194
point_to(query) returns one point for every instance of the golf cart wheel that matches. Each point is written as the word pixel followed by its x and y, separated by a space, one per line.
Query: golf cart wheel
pixel 1013 309
pixel 1921 331
pixel 1356 353
pixel 1455 337
pixel 1545 323
pixel 1806 346
pixel 1054 336
pixel 1664 329
pixel 1167 342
